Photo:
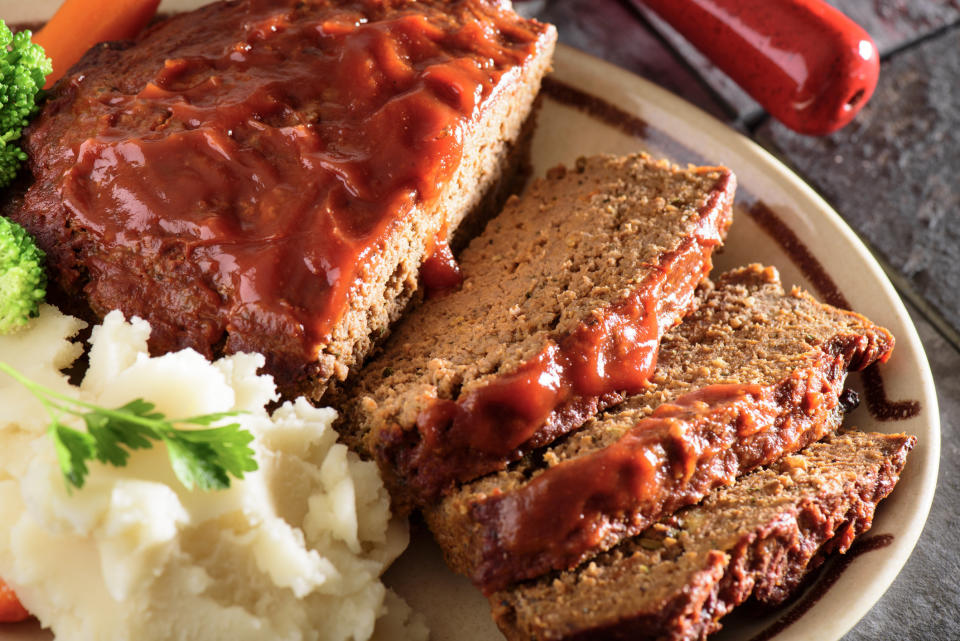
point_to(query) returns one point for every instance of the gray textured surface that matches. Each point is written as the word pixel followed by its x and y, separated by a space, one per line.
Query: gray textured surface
pixel 610 29
pixel 892 173
pixel 923 604
pixel 897 23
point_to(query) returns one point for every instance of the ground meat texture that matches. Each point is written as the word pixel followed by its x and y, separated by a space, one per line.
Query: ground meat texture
pixel 759 537
pixel 754 374
pixel 565 297
pixel 268 175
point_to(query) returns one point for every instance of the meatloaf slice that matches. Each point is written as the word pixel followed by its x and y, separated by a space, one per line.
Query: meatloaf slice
pixel 566 295
pixel 269 175
pixel 752 375
pixel 758 537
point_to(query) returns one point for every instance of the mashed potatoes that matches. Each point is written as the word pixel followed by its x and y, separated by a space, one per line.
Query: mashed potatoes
pixel 294 551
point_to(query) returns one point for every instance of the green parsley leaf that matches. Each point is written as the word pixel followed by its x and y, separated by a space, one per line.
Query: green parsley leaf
pixel 74 448
pixel 192 464
pixel 204 458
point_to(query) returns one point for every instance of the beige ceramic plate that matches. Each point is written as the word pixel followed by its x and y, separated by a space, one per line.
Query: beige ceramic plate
pixel 593 107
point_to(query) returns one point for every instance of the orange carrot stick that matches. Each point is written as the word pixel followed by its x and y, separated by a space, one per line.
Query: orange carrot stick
pixel 79 24
pixel 11 610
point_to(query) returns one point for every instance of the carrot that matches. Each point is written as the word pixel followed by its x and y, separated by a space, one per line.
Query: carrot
pixel 10 609
pixel 79 24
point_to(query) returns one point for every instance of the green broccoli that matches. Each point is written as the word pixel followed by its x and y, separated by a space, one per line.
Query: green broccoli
pixel 23 279
pixel 23 69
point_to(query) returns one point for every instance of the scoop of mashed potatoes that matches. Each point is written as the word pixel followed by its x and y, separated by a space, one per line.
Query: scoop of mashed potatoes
pixel 293 551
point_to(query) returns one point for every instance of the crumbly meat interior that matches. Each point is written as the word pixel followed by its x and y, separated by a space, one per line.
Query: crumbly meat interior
pixel 575 243
pixel 166 283
pixel 757 538
pixel 747 331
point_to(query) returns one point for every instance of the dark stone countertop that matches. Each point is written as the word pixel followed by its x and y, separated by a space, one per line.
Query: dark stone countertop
pixel 906 142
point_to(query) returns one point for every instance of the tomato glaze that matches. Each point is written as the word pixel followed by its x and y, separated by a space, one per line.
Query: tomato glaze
pixel 440 272
pixel 609 354
pixel 669 459
pixel 279 146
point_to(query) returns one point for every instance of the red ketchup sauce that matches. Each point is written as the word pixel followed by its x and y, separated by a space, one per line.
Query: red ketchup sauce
pixel 440 272
pixel 663 462
pixel 282 143
pixel 607 355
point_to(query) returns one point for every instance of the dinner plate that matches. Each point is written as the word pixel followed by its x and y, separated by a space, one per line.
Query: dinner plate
pixel 593 107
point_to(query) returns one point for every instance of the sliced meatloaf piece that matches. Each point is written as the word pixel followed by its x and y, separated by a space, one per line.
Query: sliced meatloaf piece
pixel 269 175
pixel 758 537
pixel 566 295
pixel 752 375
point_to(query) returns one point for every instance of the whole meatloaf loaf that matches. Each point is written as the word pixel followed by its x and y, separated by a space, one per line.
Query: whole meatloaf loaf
pixel 566 295
pixel 269 175
pixel 752 375
pixel 759 537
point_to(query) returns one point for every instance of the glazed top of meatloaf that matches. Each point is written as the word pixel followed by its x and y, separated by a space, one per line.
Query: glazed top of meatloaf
pixel 233 171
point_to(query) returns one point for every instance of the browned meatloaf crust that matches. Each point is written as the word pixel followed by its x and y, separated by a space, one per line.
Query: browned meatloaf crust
pixel 752 375
pixel 269 175
pixel 758 537
pixel 566 295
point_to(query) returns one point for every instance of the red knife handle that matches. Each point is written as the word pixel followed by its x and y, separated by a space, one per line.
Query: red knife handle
pixel 806 63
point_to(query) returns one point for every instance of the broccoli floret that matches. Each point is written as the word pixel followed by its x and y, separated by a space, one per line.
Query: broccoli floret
pixel 23 279
pixel 23 68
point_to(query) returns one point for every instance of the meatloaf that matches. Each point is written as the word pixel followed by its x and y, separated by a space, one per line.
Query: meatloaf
pixel 752 375
pixel 269 175
pixel 566 295
pixel 758 537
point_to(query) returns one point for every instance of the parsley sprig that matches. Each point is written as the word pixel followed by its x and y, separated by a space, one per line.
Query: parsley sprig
pixel 201 458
